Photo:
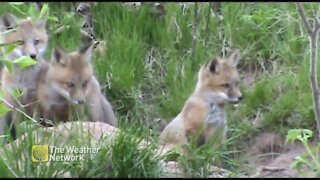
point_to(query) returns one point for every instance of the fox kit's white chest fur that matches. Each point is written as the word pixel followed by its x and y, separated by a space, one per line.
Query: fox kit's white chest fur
pixel 215 119
pixel 215 116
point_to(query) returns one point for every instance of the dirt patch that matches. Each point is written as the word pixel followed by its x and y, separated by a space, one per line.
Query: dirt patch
pixel 270 157
pixel 267 143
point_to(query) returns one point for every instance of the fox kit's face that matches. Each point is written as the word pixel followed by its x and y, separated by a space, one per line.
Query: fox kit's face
pixel 30 36
pixel 71 73
pixel 219 80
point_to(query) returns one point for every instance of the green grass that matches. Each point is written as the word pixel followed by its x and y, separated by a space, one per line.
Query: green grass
pixel 147 74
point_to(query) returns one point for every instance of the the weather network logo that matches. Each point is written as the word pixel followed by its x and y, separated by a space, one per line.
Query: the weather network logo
pixel 40 153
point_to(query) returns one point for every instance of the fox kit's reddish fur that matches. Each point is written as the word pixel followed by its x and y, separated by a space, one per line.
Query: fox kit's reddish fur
pixel 69 80
pixel 203 115
pixel 31 39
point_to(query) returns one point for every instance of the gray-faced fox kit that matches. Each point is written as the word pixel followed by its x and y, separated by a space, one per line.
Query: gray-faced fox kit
pixel 203 115
pixel 31 39
pixel 69 80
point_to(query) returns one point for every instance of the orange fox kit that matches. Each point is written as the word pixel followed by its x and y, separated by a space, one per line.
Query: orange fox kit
pixel 30 37
pixel 69 79
pixel 203 115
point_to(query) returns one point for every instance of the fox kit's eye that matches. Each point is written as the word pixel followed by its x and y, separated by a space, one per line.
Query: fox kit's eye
pixel 36 42
pixel 20 42
pixel 70 84
pixel 84 85
pixel 226 85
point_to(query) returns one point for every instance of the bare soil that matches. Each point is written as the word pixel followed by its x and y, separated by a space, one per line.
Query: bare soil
pixel 271 157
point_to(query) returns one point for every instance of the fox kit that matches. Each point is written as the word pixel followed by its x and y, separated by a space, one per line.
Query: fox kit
pixel 30 37
pixel 203 115
pixel 69 80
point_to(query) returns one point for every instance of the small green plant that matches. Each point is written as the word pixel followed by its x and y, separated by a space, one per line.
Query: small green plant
pixel 32 11
pixel 303 135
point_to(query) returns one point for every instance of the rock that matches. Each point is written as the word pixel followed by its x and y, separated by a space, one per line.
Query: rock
pixel 171 170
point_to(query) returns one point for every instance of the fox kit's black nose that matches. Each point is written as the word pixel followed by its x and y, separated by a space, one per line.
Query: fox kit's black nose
pixel 240 98
pixel 33 56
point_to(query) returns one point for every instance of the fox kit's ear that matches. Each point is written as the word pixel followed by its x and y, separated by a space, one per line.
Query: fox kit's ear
pixel 41 23
pixel 8 21
pixel 213 66
pixel 58 57
pixel 234 58
pixel 86 52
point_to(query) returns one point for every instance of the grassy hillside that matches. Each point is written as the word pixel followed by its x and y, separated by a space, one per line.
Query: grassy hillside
pixel 147 74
